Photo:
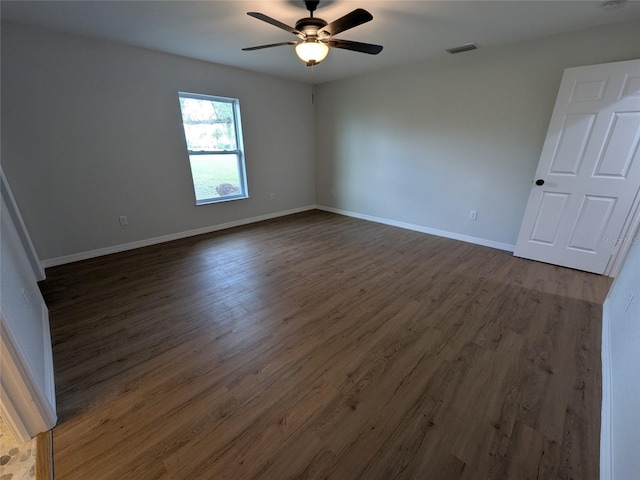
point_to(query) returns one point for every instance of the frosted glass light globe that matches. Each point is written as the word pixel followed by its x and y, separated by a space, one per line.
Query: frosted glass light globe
pixel 312 51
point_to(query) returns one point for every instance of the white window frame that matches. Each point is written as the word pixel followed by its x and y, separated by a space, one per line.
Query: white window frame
pixel 238 152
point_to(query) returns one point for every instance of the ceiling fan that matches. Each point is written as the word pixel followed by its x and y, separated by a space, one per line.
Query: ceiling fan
pixel 316 35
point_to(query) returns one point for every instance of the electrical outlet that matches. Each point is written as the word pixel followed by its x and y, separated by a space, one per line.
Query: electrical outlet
pixel 272 196
pixel 473 215
pixel 123 220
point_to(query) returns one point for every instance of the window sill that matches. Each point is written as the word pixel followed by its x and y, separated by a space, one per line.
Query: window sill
pixel 220 200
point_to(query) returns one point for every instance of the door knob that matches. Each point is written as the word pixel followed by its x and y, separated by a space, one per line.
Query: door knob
pixel 539 182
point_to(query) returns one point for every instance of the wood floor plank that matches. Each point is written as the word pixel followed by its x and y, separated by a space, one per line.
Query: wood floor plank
pixel 318 346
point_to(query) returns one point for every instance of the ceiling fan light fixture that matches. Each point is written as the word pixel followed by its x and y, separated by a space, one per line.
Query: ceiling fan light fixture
pixel 317 36
pixel 312 52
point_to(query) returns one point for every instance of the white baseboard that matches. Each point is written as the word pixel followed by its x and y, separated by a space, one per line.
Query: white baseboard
pixel 606 443
pixel 52 262
pixel 420 228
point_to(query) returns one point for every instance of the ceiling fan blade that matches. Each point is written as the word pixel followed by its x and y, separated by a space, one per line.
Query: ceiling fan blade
pixel 260 47
pixel 369 48
pixel 350 20
pixel 276 23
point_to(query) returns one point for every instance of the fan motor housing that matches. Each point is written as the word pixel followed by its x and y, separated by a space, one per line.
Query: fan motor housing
pixel 310 25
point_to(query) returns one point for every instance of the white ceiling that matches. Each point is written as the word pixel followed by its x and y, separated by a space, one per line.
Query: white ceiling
pixel 216 30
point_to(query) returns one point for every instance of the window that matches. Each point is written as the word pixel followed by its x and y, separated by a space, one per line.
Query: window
pixel 214 142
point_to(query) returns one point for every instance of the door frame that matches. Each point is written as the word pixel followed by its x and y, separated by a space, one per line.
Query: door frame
pixel 629 229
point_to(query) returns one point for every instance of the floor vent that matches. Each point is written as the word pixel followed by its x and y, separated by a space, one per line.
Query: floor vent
pixel 463 48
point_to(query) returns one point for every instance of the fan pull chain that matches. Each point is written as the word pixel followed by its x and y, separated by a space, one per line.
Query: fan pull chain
pixel 313 86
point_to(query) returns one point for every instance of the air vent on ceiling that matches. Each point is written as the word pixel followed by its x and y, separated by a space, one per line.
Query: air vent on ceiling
pixel 463 48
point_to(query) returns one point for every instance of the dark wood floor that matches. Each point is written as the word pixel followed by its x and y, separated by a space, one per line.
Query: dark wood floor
pixel 319 346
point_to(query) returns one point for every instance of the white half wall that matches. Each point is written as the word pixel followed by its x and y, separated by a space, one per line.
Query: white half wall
pixel 620 434
pixel 27 387
pixel 427 143
pixel 92 130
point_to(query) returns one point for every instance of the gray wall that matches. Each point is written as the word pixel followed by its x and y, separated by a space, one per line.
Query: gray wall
pixel 92 130
pixel 427 143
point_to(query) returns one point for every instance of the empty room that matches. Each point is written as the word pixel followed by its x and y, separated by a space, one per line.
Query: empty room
pixel 345 239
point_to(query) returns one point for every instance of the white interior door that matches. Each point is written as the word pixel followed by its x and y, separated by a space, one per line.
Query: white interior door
pixel 588 178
